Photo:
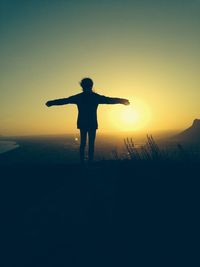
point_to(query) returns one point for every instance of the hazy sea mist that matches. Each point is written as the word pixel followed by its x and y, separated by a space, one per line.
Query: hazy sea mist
pixel 55 149
pixel 63 148
pixel 7 146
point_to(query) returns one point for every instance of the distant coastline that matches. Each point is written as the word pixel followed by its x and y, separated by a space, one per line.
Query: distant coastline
pixel 6 146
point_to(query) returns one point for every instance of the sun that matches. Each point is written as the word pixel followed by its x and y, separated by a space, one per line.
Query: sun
pixel 130 118
pixel 129 115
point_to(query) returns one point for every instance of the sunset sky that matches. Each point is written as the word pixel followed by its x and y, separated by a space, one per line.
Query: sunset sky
pixel 146 51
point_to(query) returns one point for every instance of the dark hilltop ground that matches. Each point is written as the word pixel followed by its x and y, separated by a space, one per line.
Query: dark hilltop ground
pixel 143 211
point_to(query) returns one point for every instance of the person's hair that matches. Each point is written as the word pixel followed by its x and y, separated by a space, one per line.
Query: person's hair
pixel 86 84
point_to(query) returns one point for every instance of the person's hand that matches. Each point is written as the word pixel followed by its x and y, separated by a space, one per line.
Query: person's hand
pixel 126 102
pixel 48 104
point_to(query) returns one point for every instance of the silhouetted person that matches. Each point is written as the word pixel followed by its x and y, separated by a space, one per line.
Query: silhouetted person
pixel 87 103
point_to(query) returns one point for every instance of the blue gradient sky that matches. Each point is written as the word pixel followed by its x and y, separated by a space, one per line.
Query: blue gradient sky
pixel 147 51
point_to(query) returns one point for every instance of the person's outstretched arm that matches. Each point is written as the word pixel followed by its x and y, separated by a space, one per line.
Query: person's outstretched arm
pixel 62 101
pixel 113 100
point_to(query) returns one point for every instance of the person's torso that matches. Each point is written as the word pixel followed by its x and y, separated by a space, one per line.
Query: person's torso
pixel 87 109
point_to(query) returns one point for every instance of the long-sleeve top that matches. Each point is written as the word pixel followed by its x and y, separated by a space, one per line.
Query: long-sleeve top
pixel 87 104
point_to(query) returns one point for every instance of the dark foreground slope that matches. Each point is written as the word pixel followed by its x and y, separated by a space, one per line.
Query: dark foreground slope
pixel 111 213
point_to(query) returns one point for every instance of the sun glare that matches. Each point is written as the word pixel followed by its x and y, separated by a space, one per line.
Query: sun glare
pixel 130 118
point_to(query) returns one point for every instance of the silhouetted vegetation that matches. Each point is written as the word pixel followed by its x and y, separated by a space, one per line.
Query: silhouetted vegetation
pixel 151 151
pixel 148 151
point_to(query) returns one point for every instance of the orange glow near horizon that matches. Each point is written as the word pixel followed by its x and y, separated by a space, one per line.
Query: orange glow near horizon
pixel 134 117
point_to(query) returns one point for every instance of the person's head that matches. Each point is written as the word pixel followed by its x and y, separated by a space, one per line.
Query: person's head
pixel 86 84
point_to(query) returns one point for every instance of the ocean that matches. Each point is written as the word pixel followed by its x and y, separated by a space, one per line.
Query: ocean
pixel 7 146
pixel 54 149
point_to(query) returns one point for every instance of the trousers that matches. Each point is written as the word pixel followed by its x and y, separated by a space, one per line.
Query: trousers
pixel 91 133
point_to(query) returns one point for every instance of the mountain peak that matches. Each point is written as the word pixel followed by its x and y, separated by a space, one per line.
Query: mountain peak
pixel 196 123
pixel 191 134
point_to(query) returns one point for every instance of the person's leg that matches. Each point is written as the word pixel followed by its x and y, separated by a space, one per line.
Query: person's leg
pixel 91 135
pixel 83 139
